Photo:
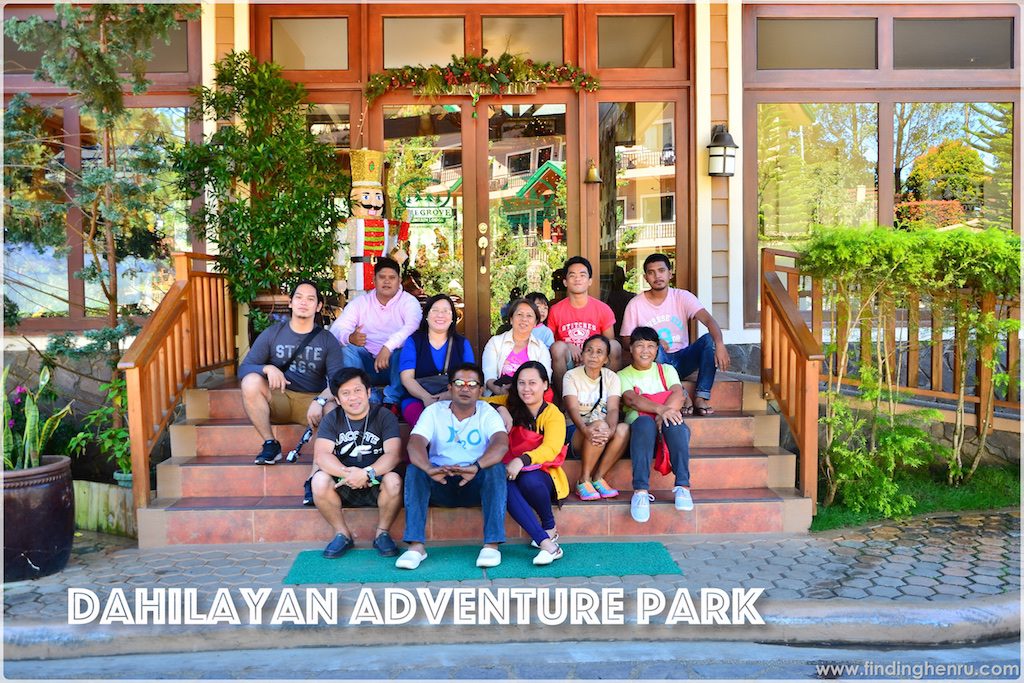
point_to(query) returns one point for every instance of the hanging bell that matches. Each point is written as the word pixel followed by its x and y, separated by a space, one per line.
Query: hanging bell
pixel 592 175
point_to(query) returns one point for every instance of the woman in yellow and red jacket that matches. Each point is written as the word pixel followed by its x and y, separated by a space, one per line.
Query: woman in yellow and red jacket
pixel 533 463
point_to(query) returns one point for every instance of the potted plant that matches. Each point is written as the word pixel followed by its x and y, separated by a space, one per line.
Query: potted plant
pixel 39 502
pixel 270 184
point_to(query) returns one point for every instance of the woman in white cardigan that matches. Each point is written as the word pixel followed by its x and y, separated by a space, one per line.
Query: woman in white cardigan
pixel 504 353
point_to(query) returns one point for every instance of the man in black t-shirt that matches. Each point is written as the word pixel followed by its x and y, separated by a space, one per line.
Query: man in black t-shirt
pixel 356 450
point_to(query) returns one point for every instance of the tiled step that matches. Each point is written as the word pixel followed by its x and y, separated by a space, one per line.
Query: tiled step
pixel 236 475
pixel 270 519
pixel 224 401
pixel 724 429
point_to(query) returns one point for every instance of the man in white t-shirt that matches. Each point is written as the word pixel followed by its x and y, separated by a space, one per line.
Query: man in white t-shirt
pixel 668 310
pixel 455 453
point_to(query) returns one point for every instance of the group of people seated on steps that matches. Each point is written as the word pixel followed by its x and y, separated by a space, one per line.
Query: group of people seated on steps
pixel 490 432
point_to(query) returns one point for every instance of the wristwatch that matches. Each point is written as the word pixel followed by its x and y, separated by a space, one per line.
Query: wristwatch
pixel 321 401
pixel 371 474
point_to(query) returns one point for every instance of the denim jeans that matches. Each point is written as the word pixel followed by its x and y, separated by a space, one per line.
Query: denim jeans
pixel 488 489
pixel 642 434
pixel 529 503
pixel 699 356
pixel 358 357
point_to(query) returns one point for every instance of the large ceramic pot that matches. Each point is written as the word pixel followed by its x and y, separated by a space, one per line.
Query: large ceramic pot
pixel 39 519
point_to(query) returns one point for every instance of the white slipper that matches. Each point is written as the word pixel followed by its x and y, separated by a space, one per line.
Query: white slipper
pixel 488 557
pixel 544 557
pixel 410 559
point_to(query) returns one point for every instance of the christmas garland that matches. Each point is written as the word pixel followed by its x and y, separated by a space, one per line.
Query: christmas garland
pixel 476 76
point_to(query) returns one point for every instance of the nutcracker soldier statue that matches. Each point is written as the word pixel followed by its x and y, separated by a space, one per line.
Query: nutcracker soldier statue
pixel 367 235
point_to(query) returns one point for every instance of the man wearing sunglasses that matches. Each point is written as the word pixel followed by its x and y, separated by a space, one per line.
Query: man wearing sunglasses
pixel 455 453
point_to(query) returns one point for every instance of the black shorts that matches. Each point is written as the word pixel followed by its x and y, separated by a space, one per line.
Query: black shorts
pixel 357 498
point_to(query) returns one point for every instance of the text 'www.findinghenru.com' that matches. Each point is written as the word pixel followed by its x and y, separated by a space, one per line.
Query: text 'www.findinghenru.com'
pixel 918 670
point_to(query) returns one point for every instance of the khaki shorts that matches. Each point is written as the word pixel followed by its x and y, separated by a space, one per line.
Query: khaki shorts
pixel 291 406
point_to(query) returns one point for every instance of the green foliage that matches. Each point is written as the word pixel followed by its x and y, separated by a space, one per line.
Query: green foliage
pixel 480 75
pixel 868 448
pixel 99 427
pixel 259 320
pixel 992 488
pixel 271 182
pixel 12 315
pixel 987 261
pixel 950 170
pixel 26 433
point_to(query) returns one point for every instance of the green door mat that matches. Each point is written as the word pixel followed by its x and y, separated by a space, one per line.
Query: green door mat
pixel 458 563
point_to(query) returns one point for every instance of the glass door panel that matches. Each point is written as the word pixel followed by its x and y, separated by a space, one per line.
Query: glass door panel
pixel 526 199
pixel 637 164
pixel 423 150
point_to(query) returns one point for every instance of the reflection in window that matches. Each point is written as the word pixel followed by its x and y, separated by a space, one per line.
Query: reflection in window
pixel 35 236
pixel 637 167
pixel 422 40
pixel 427 193
pixel 953 164
pixel 528 200
pixel 817 165
pixel 144 271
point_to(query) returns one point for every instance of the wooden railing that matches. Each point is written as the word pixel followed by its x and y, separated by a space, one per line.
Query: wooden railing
pixel 191 331
pixel 794 320
pixel 790 359
pixel 921 342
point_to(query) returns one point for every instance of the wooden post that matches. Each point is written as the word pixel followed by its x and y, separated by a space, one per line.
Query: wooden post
pixel 137 435
pixel 809 433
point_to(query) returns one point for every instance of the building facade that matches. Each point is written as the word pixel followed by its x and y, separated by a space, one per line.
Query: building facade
pixel 842 113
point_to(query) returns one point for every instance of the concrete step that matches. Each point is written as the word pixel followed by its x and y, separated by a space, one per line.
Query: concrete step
pixel 237 475
pixel 224 401
pixel 724 429
pixel 271 519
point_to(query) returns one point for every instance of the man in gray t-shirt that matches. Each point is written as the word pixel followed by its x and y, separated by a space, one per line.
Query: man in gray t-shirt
pixel 297 393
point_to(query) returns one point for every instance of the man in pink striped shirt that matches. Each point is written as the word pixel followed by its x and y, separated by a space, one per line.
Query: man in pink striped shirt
pixel 373 327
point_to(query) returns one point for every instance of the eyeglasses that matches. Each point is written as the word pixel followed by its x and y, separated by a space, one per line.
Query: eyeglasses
pixel 471 383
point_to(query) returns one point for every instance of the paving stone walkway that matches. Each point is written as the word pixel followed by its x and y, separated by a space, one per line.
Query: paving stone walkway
pixel 948 557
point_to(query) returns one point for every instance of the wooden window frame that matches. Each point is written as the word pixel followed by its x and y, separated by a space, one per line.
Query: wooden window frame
pixel 172 81
pixel 682 45
pixel 76 320
pixel 260 20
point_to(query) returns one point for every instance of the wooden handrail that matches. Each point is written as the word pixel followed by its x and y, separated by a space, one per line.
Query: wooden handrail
pixel 792 320
pixel 191 331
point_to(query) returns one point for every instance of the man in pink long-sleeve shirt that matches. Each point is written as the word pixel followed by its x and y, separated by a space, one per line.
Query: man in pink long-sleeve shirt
pixel 373 327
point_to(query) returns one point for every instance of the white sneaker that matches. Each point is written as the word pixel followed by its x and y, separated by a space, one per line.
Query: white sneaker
pixel 410 559
pixel 684 501
pixel 488 557
pixel 640 507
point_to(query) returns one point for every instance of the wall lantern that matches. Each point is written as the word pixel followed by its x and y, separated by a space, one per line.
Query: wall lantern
pixel 592 175
pixel 721 153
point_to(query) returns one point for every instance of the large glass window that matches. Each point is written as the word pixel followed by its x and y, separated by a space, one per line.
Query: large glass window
pixel 816 43
pixel 953 163
pixel 422 40
pixel 635 42
pixel 144 271
pixel 310 44
pixel 817 165
pixel 539 38
pixel 35 236
pixel 638 211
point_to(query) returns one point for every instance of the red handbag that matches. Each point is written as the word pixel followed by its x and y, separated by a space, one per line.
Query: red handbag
pixel 662 462
pixel 522 440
